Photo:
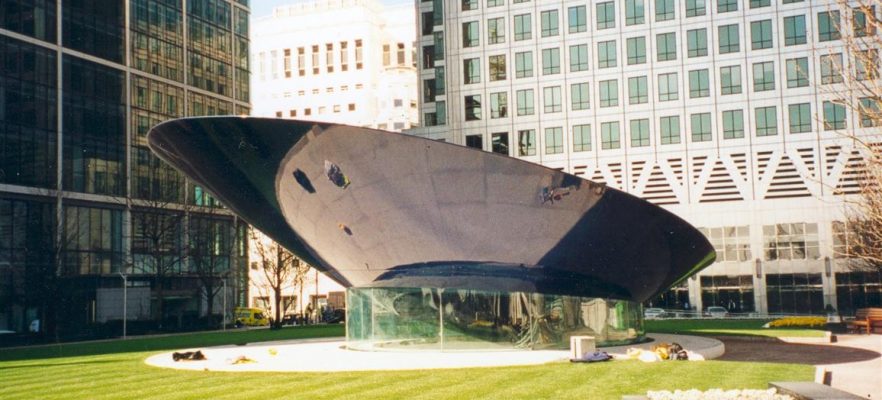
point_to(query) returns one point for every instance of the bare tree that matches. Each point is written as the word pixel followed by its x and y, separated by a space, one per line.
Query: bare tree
pixel 211 237
pixel 158 216
pixel 857 25
pixel 281 270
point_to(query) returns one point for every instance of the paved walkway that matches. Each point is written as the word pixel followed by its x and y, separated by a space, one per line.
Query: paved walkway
pixel 855 360
pixel 330 355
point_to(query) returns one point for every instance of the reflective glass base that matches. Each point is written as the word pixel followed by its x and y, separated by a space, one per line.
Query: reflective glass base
pixel 454 319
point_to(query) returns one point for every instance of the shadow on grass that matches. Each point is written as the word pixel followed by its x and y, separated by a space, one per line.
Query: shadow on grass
pixel 170 342
pixel 58 364
pixel 777 351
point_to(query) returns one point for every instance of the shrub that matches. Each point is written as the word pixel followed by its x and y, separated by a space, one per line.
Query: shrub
pixel 798 322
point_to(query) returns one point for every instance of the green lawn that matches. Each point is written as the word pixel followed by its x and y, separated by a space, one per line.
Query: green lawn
pixel 112 370
pixel 726 327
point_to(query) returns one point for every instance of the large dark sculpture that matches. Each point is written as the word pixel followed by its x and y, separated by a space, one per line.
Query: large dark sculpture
pixel 381 210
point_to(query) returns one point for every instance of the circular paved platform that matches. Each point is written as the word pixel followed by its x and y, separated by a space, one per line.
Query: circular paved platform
pixel 330 355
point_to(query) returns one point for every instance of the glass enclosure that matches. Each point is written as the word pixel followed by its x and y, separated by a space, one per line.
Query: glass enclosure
pixel 458 319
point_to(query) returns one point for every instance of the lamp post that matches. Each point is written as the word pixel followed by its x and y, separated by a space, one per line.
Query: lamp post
pixel 225 304
pixel 125 301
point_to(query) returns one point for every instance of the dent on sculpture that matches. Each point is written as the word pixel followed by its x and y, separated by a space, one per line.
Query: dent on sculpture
pixel 385 210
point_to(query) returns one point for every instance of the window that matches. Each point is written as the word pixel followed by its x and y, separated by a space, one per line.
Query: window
pixel 499 143
pixel 579 58
pixel 576 19
pixel 579 96
pixel 358 54
pixel 664 10
pixel 498 105
pixel 763 76
pixel 496 30
pixel 699 83
pixel 794 30
pixel 640 132
pixel 800 117
pixel 438 40
pixel 831 65
pixel 523 27
pixel 475 142
pixel 759 3
pixel 696 41
pixel 609 136
pixel 471 70
pixel 730 42
pixel 637 90
pixel 301 61
pixel 866 65
pixel 497 67
pixel 473 107
pixel 551 99
pixel 609 93
pixel 287 63
pixel 732 243
pixel 549 22
pixel 834 115
pixel 582 137
pixel 828 26
pixel 670 129
pixel 315 58
pixel 668 87
pixel 859 21
pixel 666 44
pixel 606 15
pixel 551 61
pixel 724 6
pixel 870 112
pixel 636 50
pixel 733 124
pixel 527 143
pixel 761 34
pixel 554 140
pixel 606 54
pixel 700 124
pixel 470 34
pixel 794 241
pixel 730 80
pixel 525 102
pixel 495 3
pixel 401 53
pixel 633 12
pixel 387 55
pixel 766 121
pixel 797 72
pixel 468 5
pixel 524 64
pixel 695 8
pixel 439 80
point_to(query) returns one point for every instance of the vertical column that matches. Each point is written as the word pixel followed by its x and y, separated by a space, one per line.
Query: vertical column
pixel 59 148
pixel 759 289
pixel 828 281
pixel 127 213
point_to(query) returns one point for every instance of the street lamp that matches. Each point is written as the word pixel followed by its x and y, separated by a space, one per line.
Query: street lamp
pixel 125 279
pixel 225 304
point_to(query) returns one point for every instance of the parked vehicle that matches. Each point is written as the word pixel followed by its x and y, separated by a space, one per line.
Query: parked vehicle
pixel 250 317
pixel 716 312
pixel 654 313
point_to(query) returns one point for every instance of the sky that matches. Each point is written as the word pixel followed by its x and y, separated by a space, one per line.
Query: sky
pixel 260 8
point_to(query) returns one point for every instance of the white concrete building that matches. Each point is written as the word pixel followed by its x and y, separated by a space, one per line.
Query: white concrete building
pixel 344 61
pixel 722 111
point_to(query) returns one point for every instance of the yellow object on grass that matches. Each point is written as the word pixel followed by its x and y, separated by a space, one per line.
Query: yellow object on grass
pixel 799 322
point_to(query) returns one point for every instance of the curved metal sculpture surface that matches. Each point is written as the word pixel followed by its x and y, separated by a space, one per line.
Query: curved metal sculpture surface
pixel 379 209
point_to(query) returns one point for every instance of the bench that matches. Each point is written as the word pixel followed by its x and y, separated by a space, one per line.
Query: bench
pixel 865 318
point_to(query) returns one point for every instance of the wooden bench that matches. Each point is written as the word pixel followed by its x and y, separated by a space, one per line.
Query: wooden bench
pixel 865 318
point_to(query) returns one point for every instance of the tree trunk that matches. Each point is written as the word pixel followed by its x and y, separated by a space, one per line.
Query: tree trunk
pixel 277 300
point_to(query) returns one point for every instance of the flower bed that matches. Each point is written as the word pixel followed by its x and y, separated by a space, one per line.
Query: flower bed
pixel 799 322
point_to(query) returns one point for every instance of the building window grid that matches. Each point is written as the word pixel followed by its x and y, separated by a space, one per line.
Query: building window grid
pixel 700 124
pixel 577 20
pixel 551 61
pixel 549 23
pixel 609 136
pixel 606 54
pixel 800 118
pixel 797 72
pixel 834 115
pixel 640 132
pixel 554 140
pixel 524 64
pixel 609 93
pixel 551 99
pixel 828 26
pixel 730 41
pixel 699 83
pixel 794 30
pixel 761 35
pixel 580 96
pixel 664 10
pixel 763 76
pixel 498 67
pixel 666 46
pixel 791 241
pixel 606 15
pixel 668 87
pixel 696 40
pixel 695 8
pixel 498 105
pixel 831 68
pixel 634 12
pixel 582 137
pixel 731 243
pixel 523 27
pixel 724 6
pixel 733 124
pixel 669 129
pixel 636 50
pixel 525 102
pixel 495 30
pixel 638 91
pixel 579 58
pixel 527 142
pixel 766 121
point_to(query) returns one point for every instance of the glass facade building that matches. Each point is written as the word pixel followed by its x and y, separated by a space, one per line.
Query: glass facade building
pixel 81 83
pixel 728 113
